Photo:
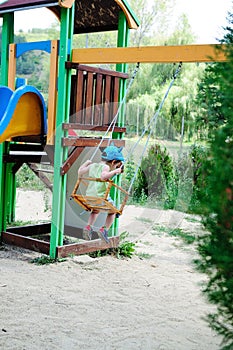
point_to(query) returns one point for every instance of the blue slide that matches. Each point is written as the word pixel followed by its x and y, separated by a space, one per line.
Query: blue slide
pixel 22 112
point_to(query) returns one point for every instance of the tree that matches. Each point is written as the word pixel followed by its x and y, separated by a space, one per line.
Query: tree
pixel 153 16
pixel 210 113
pixel 216 245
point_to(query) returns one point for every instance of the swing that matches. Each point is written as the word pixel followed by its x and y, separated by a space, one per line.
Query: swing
pixel 102 204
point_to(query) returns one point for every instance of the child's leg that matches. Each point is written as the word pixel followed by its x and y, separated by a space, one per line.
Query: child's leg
pixel 103 231
pixel 88 230
pixel 92 218
pixel 109 221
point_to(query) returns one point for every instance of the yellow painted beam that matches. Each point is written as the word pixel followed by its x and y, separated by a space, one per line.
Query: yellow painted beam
pixel 52 101
pixel 150 54
pixel 12 66
pixel 66 3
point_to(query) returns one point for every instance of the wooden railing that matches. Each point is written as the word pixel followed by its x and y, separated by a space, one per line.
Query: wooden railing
pixel 94 95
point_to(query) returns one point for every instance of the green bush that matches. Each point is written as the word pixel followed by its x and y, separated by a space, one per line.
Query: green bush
pixel 216 245
pixel 156 178
pixel 125 249
pixel 198 155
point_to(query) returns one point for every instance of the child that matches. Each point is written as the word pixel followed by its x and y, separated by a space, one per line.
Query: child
pixel 110 165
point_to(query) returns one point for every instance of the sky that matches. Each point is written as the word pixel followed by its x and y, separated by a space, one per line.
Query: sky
pixel 206 17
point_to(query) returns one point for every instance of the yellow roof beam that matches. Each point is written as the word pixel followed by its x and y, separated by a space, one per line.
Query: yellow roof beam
pixel 150 54
pixel 66 3
pixel 133 22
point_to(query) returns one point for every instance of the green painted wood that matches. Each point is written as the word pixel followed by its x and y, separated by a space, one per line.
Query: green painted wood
pixel 63 98
pixel 9 191
pixel 122 41
pixel 7 38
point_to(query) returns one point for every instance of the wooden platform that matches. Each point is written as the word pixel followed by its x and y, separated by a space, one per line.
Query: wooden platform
pixel 26 237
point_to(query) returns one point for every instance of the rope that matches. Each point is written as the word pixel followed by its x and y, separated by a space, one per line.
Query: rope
pixel 113 122
pixel 152 120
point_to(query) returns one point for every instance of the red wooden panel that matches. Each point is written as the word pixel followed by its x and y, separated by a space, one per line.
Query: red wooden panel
pixel 107 99
pixel 87 247
pixel 95 93
pixel 25 242
pixel 79 99
pixel 73 95
pixel 115 98
pixel 73 65
pixel 89 99
pixel 98 110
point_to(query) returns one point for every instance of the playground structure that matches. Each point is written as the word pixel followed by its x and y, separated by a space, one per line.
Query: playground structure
pixel 81 97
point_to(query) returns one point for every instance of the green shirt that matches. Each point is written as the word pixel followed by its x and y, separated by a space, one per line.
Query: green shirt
pixel 95 188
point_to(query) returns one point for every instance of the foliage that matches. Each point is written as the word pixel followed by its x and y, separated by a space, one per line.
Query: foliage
pixel 25 178
pixel 129 170
pixel 216 246
pixel 187 237
pixel 198 154
pixel 125 249
pixel 156 177
pixel 45 260
pixel 210 99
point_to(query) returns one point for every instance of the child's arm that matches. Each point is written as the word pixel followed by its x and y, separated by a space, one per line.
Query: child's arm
pixel 84 168
pixel 107 173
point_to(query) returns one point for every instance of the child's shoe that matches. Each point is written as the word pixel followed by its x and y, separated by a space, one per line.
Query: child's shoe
pixel 103 234
pixel 87 233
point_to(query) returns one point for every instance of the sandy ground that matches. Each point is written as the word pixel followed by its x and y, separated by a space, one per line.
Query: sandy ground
pixel 152 301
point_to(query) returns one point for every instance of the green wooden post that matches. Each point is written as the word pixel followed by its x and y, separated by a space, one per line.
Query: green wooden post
pixel 10 193
pixel 63 98
pixel 7 38
pixel 123 41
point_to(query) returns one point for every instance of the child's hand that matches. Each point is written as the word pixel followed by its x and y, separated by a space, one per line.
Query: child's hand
pixel 119 167
pixel 88 162
pixel 118 171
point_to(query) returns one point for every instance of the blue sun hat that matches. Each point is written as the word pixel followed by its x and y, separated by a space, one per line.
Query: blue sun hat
pixel 113 153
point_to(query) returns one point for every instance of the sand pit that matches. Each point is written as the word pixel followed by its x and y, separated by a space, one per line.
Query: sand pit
pixel 152 301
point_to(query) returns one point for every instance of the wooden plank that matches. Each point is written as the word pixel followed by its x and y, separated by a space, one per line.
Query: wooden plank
pixel 12 66
pixel 30 230
pixel 79 98
pixel 89 99
pixel 24 147
pixel 40 174
pixel 107 100
pixel 73 94
pixel 52 100
pixel 33 139
pixel 115 98
pixel 87 247
pixel 97 70
pixel 30 158
pixel 71 159
pixel 25 242
pixel 98 109
pixel 90 142
pixel 150 54
pixel 77 126
pixel 66 3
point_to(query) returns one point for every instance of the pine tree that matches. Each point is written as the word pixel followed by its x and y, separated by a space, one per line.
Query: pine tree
pixel 216 246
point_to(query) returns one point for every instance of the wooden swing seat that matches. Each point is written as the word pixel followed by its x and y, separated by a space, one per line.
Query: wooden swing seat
pixel 101 204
